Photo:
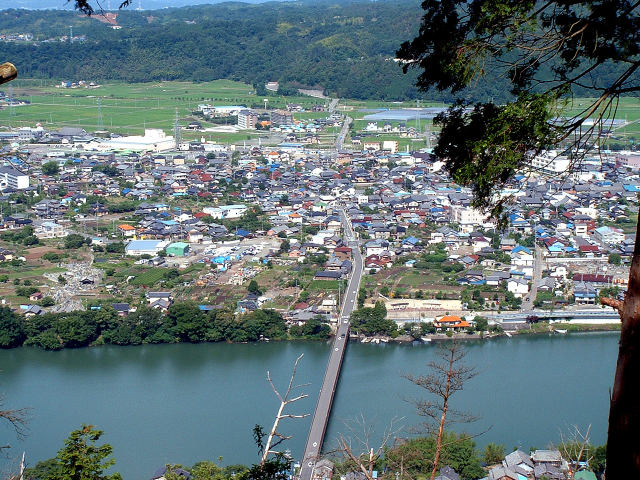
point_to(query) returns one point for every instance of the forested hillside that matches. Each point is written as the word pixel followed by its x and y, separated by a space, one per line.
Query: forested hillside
pixel 347 48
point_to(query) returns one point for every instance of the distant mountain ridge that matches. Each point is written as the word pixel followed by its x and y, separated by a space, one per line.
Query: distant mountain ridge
pixel 346 46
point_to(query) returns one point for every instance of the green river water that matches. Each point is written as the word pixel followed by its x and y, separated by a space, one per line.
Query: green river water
pixel 182 403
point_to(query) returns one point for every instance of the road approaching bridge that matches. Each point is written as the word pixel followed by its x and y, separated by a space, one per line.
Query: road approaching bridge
pixel 332 373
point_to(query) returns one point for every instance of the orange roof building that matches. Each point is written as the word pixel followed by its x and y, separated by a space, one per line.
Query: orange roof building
pixel 451 322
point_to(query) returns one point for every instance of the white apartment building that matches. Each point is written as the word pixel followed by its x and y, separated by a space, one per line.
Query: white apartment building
pixel 609 235
pixel 468 218
pixel 551 162
pixel 11 177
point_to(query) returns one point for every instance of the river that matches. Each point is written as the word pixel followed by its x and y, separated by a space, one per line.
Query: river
pixel 182 403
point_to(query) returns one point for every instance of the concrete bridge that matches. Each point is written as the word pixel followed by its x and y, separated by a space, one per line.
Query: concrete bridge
pixel 322 411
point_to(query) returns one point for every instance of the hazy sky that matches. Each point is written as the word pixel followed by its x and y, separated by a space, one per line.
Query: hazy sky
pixel 145 4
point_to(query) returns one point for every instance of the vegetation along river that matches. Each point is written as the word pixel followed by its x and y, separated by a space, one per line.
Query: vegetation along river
pixel 182 403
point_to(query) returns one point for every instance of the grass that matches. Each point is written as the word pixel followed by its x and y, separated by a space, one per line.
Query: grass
pixel 130 108
pixel 628 109
pixel 320 285
pixel 150 277
pixel 28 271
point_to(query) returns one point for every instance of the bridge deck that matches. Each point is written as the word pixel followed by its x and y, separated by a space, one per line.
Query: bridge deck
pixel 322 412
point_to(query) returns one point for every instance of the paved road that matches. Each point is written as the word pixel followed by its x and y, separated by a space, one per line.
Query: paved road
pixel 332 373
pixel 538 259
pixel 343 133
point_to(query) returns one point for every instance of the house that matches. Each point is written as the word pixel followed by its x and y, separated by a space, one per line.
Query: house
pixel 35 297
pixel 609 235
pixel 584 293
pixel 176 471
pixel 548 457
pixel 518 460
pixel 448 473
pixel 323 470
pixel 50 230
pixel 328 275
pixel 518 286
pixel 507 244
pixel 144 247
pixel 161 300
pixel 32 310
pixel 502 473
pixel 122 309
pixel 126 230
pixel 376 247
pixel 522 256
pixel 11 177
pixel 451 323
pixel 343 253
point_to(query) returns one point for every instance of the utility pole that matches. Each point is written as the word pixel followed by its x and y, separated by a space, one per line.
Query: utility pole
pixel 12 108
pixel 100 126
pixel 176 130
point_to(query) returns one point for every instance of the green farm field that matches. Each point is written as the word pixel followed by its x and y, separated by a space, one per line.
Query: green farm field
pixel 628 109
pixel 130 108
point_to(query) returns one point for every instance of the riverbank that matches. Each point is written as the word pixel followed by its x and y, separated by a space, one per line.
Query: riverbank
pixel 544 328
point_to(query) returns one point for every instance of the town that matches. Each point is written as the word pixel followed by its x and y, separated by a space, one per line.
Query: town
pixel 196 198
pixel 164 219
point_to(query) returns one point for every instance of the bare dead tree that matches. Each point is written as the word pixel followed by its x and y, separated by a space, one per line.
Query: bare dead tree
pixel 17 418
pixel 359 439
pixel 275 438
pixel 576 447
pixel 447 376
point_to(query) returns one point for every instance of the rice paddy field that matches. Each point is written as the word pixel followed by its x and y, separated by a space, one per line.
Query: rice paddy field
pixel 128 109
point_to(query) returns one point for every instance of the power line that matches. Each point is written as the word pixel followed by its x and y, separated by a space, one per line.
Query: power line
pixel 100 126
pixel 176 130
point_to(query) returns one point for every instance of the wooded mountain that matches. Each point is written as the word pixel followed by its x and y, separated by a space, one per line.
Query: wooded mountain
pixel 346 47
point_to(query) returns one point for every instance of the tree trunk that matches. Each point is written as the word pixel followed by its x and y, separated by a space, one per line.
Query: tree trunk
pixel 445 406
pixel 623 442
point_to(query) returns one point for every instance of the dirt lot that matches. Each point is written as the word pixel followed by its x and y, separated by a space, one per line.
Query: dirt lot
pixel 37 252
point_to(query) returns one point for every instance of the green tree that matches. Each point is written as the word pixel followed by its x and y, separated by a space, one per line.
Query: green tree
pixel 373 320
pixel 615 259
pixel 362 296
pixel 254 287
pixel 189 323
pixel 598 459
pixel 482 324
pixel 73 241
pixel 82 459
pixel 50 168
pixel 12 331
pixel 115 247
pixel 493 453
pixel 417 454
pixel 44 470
pixel 285 245
pixel 47 302
pixel 544 49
